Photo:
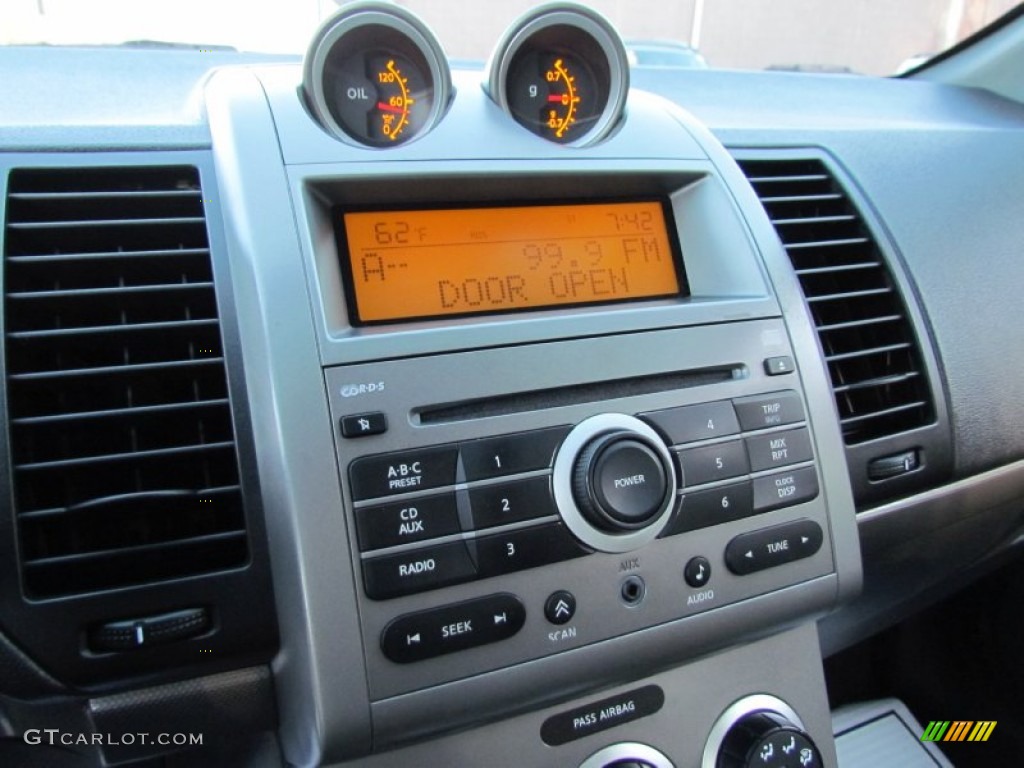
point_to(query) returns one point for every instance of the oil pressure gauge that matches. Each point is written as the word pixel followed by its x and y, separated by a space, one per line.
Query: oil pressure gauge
pixel 561 72
pixel 376 75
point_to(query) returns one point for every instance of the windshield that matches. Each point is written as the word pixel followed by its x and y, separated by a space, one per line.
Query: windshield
pixel 874 37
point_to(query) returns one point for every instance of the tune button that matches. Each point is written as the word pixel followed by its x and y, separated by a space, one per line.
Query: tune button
pixel 620 482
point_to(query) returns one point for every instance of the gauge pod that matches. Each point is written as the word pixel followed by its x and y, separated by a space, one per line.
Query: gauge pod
pixel 375 75
pixel 561 71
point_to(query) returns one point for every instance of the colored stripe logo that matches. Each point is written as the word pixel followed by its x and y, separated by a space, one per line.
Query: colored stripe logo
pixel 958 730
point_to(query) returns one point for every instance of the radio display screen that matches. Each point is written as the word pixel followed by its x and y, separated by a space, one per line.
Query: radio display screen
pixel 431 263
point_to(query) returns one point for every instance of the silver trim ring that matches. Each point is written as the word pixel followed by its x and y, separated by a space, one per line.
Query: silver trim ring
pixel 749 705
pixel 562 475
pixel 627 751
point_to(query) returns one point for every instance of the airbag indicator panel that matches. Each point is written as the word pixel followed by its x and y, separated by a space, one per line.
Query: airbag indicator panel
pixel 426 264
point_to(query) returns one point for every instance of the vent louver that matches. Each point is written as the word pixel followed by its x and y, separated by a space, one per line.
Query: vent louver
pixel 868 342
pixel 122 444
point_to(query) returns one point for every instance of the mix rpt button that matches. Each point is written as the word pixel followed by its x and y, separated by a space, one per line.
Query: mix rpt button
pixel 777 449
pixel 769 547
pixel 417 570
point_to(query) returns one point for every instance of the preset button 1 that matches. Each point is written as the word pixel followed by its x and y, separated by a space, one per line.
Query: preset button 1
pixel 511 454
pixel 450 628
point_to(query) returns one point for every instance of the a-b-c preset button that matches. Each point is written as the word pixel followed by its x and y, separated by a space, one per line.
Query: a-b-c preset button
pixel 403 472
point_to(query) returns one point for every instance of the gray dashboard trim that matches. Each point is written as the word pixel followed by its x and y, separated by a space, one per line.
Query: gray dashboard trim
pixel 313 586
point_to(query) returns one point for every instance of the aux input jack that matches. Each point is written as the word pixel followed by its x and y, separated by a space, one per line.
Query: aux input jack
pixel 633 590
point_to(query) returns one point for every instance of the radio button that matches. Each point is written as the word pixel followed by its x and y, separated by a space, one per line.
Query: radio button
pixel 713 462
pixel 403 522
pixel 777 449
pixel 417 571
pixel 525 548
pixel 768 547
pixel 690 423
pixel 785 489
pixel 713 506
pixel 512 502
pixel 450 628
pixel 769 410
pixel 511 454
pixel 402 472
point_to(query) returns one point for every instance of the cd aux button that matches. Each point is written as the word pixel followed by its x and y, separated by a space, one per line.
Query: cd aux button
pixel 403 522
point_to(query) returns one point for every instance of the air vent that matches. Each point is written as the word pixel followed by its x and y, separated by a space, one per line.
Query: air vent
pixel 868 342
pixel 122 445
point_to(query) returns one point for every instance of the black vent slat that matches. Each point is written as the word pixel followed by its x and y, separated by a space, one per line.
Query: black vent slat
pixel 861 417
pixel 827 243
pixel 103 458
pixel 119 370
pixel 85 223
pixel 89 294
pixel 113 413
pixel 122 438
pixel 162 255
pixel 868 343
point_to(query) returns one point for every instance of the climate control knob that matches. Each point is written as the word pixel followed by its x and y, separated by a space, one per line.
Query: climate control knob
pixel 614 481
pixel 767 739
pixel 620 483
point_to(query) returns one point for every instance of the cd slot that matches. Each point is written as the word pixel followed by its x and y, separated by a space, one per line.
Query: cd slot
pixel 574 394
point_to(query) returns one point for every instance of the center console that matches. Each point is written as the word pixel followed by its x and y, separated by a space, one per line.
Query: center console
pixel 558 478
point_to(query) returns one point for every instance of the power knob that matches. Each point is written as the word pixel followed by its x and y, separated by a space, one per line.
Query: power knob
pixel 614 482
pixel 620 483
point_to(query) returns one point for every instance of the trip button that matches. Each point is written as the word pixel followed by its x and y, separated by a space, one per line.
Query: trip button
pixel 690 423
pixel 511 454
pixel 512 502
pixel 713 462
pixel 777 449
pixel 502 553
pixel 713 506
pixel 403 522
pixel 771 410
pixel 451 628
pixel 402 471
pixel 769 547
pixel 417 571
pixel 785 489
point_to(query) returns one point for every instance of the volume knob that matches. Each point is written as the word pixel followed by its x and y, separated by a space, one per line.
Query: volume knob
pixel 620 482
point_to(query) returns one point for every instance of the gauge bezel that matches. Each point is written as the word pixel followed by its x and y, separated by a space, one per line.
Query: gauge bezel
pixel 328 43
pixel 585 20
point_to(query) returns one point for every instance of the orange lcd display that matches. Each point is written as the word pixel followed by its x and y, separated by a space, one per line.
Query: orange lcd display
pixel 432 263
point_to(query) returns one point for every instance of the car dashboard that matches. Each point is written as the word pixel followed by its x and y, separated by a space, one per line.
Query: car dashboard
pixel 454 435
